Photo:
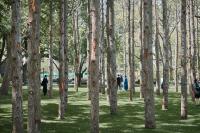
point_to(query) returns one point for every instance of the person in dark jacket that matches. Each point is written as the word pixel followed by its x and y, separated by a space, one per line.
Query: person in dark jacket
pixel 125 84
pixel 44 84
pixel 118 82
pixel 196 91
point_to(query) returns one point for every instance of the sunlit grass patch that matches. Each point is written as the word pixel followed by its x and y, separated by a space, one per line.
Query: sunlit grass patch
pixel 129 119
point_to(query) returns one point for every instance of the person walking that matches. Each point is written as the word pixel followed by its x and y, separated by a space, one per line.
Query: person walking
pixel 196 91
pixel 125 83
pixel 44 84
pixel 118 82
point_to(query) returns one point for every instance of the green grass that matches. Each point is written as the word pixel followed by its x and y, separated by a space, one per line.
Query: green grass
pixel 129 119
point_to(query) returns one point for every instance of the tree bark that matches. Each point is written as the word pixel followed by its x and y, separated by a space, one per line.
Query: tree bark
pixel 194 45
pixel 76 48
pixel 16 63
pixel 171 70
pixel 6 78
pixel 66 53
pixel 102 51
pixel 62 78
pixel 7 75
pixel 111 57
pixel 177 51
pixel 183 61
pixel 124 42
pixel 94 68
pixel 3 46
pixel 33 67
pixel 25 78
pixel 157 43
pixel 130 56
pixel 166 55
pixel 191 50
pixel 133 46
pixel 148 66
pixel 141 52
pixel 50 48
pixel 198 44
pixel 88 53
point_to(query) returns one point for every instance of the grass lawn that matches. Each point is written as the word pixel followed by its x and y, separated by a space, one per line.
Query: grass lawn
pixel 130 117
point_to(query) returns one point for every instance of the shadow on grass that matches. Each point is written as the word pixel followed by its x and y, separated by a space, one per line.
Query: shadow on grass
pixel 76 119
pixel 129 119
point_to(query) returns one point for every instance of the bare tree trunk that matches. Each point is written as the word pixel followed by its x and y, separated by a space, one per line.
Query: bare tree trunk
pixel 124 42
pixel 157 43
pixel 130 56
pixel 24 72
pixel 50 48
pixel 111 57
pixel 198 44
pixel 191 50
pixel 133 46
pixel 171 70
pixel 148 63
pixel 141 52
pixel 6 78
pixel 76 48
pixel 33 67
pixel 177 51
pixel 194 57
pixel 16 64
pixel 4 36
pixel 88 53
pixel 94 68
pixel 183 61
pixel 66 53
pixel 62 78
pixel 102 51
pixel 166 55
pixel 7 75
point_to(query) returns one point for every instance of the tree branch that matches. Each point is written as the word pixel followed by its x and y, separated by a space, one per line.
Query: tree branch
pixel 55 65
pixel 197 16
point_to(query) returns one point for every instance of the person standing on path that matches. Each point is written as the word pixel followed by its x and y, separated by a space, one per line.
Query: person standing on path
pixel 44 84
